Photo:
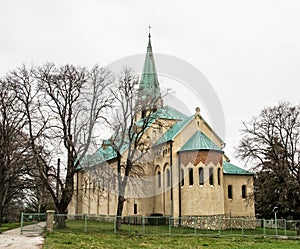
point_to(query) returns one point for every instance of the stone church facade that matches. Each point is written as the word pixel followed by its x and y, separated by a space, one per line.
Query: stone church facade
pixel 187 174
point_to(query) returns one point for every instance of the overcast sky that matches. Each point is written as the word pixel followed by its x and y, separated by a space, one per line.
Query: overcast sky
pixel 248 50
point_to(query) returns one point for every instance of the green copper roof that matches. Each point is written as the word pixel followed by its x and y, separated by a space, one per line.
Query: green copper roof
pixel 199 141
pixel 107 152
pixel 174 130
pixel 231 169
pixel 168 112
pixel 149 85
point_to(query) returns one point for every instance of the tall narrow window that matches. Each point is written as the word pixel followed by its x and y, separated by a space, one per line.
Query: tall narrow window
pixel 159 179
pixel 244 191
pixel 168 178
pixel 191 177
pixel 201 176
pixel 135 208
pixel 229 191
pixel 143 113
pixel 211 176
pixel 219 176
pixel 182 176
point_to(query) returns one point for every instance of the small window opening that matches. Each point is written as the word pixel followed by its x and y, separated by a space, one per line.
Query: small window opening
pixel 211 176
pixel 191 177
pixel 219 176
pixel 168 178
pixel 135 208
pixel 201 176
pixel 230 191
pixel 244 191
pixel 159 179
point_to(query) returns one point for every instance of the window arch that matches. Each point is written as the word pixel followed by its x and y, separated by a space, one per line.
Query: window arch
pixel 229 191
pixel 219 176
pixel 201 176
pixel 182 176
pixel 244 191
pixel 211 176
pixel 191 176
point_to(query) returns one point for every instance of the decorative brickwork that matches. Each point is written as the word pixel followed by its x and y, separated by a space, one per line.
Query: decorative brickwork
pixel 195 157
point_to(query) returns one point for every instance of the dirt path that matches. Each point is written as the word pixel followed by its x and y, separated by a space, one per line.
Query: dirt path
pixel 30 239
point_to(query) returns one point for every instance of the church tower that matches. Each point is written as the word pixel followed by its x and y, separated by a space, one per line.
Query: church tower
pixel 149 96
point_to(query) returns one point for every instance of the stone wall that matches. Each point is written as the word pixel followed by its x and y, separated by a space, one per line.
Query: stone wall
pixel 216 222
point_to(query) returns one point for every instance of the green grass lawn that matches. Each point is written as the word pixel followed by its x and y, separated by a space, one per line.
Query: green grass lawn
pixel 65 240
pixel 12 225
pixel 101 235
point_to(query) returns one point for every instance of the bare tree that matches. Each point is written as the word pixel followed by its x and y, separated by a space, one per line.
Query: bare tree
pixel 271 143
pixel 13 148
pixel 133 117
pixel 63 108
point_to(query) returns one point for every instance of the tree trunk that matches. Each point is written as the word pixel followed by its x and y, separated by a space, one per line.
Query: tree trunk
pixel 61 218
pixel 1 215
pixel 61 221
pixel 121 201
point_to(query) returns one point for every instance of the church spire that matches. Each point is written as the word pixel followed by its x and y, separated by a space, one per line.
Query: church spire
pixel 149 86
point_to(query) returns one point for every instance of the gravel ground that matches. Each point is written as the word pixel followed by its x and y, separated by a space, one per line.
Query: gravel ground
pixel 30 239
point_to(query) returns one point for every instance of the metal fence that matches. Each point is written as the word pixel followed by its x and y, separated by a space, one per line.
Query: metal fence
pixel 32 222
pixel 165 225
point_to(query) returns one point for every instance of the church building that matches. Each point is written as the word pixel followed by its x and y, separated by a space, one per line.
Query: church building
pixel 187 174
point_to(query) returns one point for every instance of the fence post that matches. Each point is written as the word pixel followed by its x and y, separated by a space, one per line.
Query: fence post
pixel 50 220
pixel 195 228
pixel 242 227
pixel 21 228
pixel 115 224
pixel 284 227
pixel 169 225
pixel 219 221
pixel 85 223
pixel 264 224
pixel 143 224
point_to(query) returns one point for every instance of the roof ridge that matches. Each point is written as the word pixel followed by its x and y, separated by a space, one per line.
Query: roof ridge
pixel 174 130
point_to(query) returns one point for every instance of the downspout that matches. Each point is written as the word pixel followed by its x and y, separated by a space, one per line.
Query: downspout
pixel 77 193
pixel 171 172
pixel 179 187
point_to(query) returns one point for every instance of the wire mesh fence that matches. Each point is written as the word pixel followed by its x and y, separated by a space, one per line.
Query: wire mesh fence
pixel 32 222
pixel 166 225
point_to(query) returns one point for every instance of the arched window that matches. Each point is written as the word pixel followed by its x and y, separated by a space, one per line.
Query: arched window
pixel 201 176
pixel 229 191
pixel 168 178
pixel 159 179
pixel 211 176
pixel 191 177
pixel 244 191
pixel 182 176
pixel 219 176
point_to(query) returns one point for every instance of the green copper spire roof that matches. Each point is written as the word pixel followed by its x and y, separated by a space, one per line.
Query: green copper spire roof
pixel 199 141
pixel 149 85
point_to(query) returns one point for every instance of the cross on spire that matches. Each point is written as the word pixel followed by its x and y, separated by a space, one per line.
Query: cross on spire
pixel 149 27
